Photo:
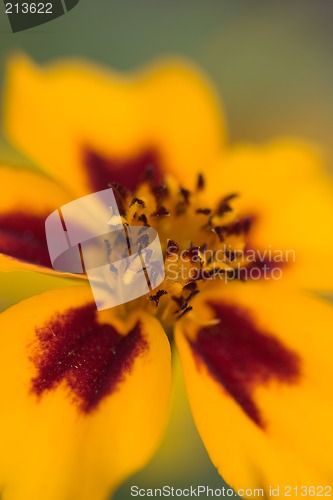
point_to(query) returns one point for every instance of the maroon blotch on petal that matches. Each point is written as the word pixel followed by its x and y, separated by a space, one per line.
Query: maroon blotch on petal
pixel 91 358
pixel 23 236
pixel 128 172
pixel 240 356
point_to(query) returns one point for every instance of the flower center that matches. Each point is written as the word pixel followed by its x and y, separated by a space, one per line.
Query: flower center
pixel 200 242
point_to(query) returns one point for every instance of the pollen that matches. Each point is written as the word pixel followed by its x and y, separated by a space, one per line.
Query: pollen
pixel 200 243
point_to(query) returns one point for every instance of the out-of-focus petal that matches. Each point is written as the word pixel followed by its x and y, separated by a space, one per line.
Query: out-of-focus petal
pixel 84 396
pixel 284 187
pixel 92 127
pixel 26 200
pixel 259 381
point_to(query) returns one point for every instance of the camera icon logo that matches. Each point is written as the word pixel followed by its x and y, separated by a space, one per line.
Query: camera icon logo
pixel 88 236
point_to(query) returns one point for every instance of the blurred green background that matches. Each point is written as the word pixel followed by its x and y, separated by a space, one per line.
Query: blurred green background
pixel 272 63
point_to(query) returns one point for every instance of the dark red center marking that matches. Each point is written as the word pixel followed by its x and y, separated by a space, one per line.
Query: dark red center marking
pixel 91 358
pixel 259 268
pixel 23 236
pixel 240 356
pixel 127 172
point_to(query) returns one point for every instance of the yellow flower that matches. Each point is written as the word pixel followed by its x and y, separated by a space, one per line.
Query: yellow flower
pixel 246 236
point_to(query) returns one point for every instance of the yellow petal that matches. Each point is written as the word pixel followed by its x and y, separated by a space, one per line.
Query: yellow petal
pixel 283 185
pixel 92 127
pixel 259 381
pixel 84 396
pixel 27 198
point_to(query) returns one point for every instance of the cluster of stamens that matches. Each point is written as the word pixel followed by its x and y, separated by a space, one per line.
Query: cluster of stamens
pixel 205 240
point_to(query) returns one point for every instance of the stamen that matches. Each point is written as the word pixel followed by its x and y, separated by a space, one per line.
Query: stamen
pixel 205 211
pixel 172 247
pixel 238 227
pixel 119 188
pixel 230 197
pixel 149 173
pixel 138 201
pixel 185 194
pixel 247 223
pixel 108 247
pixel 200 182
pixel 223 208
pixel 192 253
pixel 188 309
pixel 188 265
pixel 161 212
pixel 143 241
pixel 160 192
pixel 231 255
pixel 180 301
pixel 143 218
pixel 192 287
pixel 156 298
pixel 120 194
pixel 220 231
